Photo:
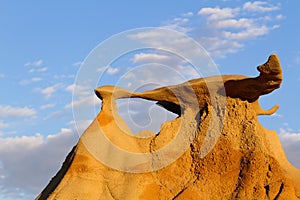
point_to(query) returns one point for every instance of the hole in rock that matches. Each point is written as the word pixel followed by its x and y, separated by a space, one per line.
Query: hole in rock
pixel 141 114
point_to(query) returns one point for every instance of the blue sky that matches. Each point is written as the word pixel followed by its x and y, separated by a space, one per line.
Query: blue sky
pixel 44 43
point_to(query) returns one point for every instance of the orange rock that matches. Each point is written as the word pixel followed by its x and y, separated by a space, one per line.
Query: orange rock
pixel 214 149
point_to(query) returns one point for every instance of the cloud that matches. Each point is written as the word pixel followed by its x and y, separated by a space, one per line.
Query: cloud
pixel 28 81
pixel 36 79
pixel 2 75
pixel 27 163
pixel 84 101
pixel 84 105
pixel 227 29
pixel 177 43
pixel 260 6
pixel 62 76
pixel 36 63
pixel 277 115
pixel 76 64
pixel 109 70
pixel 112 71
pixel 46 106
pixel 158 68
pixel 280 16
pixel 180 23
pixel 252 32
pixel 9 111
pixel 188 14
pixel 43 69
pixel 48 91
pixel 234 23
pixel 150 58
pixel 220 30
pixel 80 126
pixel 291 142
pixel 218 13
pixel 70 88
pixel 140 114
pixel 153 75
pixel 54 115
pixel 80 89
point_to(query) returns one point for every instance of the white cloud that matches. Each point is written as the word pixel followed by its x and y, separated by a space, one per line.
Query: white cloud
pixel 177 43
pixel 227 29
pixel 280 16
pixel 153 75
pixel 28 81
pixel 83 101
pixel 80 126
pixel 148 36
pixel 36 79
pixel 234 23
pixel 48 91
pixel 27 163
pixel 62 76
pixel 112 71
pixel 36 63
pixel 102 69
pixel 246 34
pixel 38 70
pixel 291 142
pixel 2 75
pixel 80 89
pixel 260 6
pixel 59 114
pixel 150 58
pixel 188 14
pixel 277 115
pixel 109 70
pixel 43 69
pixel 46 106
pixel 218 13
pixel 84 109
pixel 141 114
pixel 76 64
pixel 181 20
pixel 9 111
pixel 289 135
pixel 159 66
pixel 83 104
pixel 180 23
pixel 70 88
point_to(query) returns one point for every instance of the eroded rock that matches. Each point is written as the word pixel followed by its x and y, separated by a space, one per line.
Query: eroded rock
pixel 244 160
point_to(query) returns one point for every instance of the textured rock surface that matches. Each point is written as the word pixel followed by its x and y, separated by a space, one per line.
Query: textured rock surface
pixel 246 162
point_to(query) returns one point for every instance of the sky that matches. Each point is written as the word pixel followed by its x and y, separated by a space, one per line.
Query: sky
pixel 43 45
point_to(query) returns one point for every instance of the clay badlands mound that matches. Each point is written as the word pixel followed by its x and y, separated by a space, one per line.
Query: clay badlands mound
pixel 214 149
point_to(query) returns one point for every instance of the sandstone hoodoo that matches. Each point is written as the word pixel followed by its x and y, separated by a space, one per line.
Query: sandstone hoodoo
pixel 214 149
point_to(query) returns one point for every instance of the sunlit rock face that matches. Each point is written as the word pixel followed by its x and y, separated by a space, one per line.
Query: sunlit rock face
pixel 214 149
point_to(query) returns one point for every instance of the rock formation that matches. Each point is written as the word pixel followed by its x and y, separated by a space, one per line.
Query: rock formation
pixel 214 149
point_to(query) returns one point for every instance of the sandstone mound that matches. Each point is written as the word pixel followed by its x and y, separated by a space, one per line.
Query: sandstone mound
pixel 214 149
